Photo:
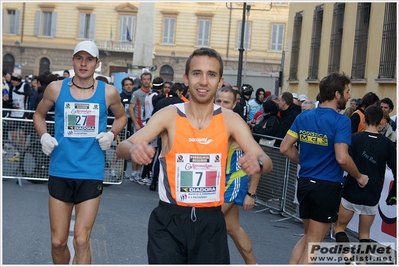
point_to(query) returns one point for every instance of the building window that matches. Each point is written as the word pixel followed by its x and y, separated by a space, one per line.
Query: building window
pixel 388 46
pixel 204 29
pixel 315 43
pixel 169 31
pixel 167 73
pixel 127 28
pixel 44 65
pixel 87 26
pixel 247 35
pixel 11 21
pixel 336 37
pixel 296 40
pixel 8 63
pixel 277 37
pixel 46 23
pixel 361 38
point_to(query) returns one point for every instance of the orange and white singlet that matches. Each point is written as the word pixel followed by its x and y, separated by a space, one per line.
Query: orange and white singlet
pixel 193 172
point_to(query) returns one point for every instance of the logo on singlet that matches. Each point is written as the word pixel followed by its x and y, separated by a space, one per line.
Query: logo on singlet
pixel 202 141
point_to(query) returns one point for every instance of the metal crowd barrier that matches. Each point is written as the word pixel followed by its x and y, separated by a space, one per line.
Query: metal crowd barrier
pixel 276 190
pixel 32 164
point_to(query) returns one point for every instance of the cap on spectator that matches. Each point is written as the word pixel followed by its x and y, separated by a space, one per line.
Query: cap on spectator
pixel 87 46
pixel 294 95
pixel 268 93
pixel 302 98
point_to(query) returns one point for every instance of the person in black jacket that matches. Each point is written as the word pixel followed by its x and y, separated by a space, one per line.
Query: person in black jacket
pixel 268 122
pixel 18 99
pixel 288 113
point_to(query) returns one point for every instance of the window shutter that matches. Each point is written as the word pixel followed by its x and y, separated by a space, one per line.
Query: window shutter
pixel 92 29
pixel 37 23
pixel 165 31
pixel 54 16
pixel 206 32
pixel 17 21
pixel 200 31
pixel 172 31
pixel 82 23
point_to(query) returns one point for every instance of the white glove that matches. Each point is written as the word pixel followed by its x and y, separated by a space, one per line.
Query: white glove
pixel 48 143
pixel 105 140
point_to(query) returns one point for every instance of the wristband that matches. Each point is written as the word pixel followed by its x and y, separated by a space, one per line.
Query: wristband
pixel 112 131
pixel 251 195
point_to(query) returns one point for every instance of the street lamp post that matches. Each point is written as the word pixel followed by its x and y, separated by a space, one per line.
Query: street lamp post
pixel 241 49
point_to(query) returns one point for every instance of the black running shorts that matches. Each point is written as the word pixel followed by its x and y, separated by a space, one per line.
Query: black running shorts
pixel 74 190
pixel 186 235
pixel 318 199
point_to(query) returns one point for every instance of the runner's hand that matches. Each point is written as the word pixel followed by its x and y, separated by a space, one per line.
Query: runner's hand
pixel 48 143
pixel 105 139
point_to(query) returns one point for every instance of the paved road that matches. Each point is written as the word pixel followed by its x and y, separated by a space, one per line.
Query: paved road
pixel 120 232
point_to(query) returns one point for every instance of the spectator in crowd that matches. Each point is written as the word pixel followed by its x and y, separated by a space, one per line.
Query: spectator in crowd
pixel 302 98
pixel 237 193
pixel 77 151
pixel 357 118
pixel 255 104
pixel 387 104
pixel 184 129
pixel 137 113
pixel 102 78
pixel 246 92
pixel 371 152
pixel 125 96
pixel 353 105
pixel 308 105
pixel 18 99
pixel 180 92
pixel 295 99
pixel 324 136
pixel 268 122
pixel 66 74
pixel 385 128
pixel 288 113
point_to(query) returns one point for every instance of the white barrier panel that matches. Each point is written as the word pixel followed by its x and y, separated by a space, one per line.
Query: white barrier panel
pixel 383 228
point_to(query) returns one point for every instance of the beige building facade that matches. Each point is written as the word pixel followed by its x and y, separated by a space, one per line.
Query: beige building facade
pixel 358 39
pixel 40 36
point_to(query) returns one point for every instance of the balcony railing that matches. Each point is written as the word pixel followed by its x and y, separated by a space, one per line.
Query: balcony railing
pixel 116 46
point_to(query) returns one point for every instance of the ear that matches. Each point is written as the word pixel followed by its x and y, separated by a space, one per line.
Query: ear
pixel 337 95
pixel 221 82
pixel 98 64
pixel 185 79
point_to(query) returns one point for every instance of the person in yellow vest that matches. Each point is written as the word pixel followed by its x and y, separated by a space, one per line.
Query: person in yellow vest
pixel 188 226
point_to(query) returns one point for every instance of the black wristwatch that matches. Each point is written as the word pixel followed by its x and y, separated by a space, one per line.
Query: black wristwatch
pixel 251 195
pixel 260 164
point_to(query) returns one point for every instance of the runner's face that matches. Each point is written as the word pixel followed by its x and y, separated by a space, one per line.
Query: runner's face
pixel 84 64
pixel 203 79
pixel 166 88
pixel 225 99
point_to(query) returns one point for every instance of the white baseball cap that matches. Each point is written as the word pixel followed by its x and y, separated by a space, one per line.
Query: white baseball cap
pixel 87 46
pixel 295 95
pixel 302 97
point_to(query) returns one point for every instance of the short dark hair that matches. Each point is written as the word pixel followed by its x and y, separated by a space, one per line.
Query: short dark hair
pixel 369 99
pixel 387 101
pixel 67 71
pixel 373 115
pixel 205 51
pixel 332 83
pixel 127 79
pixel 288 97
pixel 146 74
pixel 176 87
